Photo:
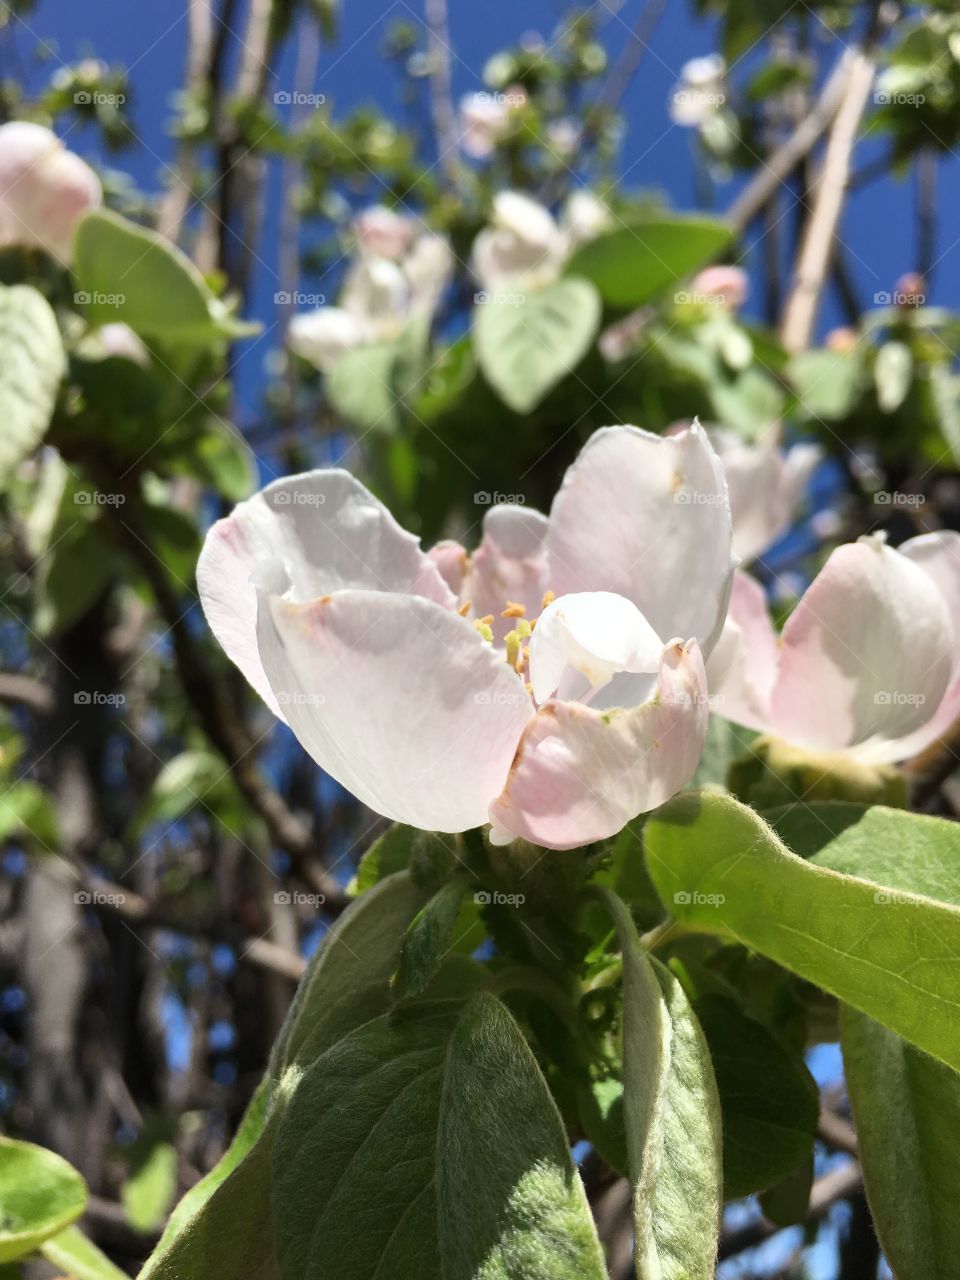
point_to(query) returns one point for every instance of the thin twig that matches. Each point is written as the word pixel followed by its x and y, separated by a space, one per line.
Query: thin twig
pixel 778 167
pixel 839 1184
pixel 441 88
pixel 829 192
pixel 200 48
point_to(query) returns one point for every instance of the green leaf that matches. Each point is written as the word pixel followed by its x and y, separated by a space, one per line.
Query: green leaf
pixel 767 1096
pixel 249 1130
pixel 526 347
pixel 892 375
pixel 127 273
pixel 672 1118
pixel 32 364
pixel 79 1257
pixel 195 779
pixel 945 389
pixel 828 383
pixel 40 1195
pixel 907 1112
pixel 347 981
pixel 905 852
pixel 389 853
pixel 148 1192
pixel 428 939
pixel 718 866
pixel 360 387
pixel 633 264
pixel 27 811
pixel 73 574
pixel 437 1128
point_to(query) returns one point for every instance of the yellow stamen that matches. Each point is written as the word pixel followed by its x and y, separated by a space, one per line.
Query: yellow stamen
pixel 548 598
pixel 514 656
pixel 514 610
pixel 524 629
pixel 484 628
pixel 486 620
pixel 465 608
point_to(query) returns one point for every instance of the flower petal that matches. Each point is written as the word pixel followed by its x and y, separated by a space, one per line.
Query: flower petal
pixel 322 336
pixel 328 532
pixel 509 565
pixel 647 517
pixel 580 774
pixel 865 658
pixel 594 633
pixel 742 668
pixel 398 699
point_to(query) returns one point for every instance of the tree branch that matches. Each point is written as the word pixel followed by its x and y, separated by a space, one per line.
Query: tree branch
pixel 829 192
pixel 838 1184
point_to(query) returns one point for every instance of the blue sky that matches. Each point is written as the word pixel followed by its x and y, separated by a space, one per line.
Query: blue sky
pixel 150 39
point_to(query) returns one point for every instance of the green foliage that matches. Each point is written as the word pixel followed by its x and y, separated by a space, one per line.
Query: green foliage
pixel 672 1118
pixel 128 274
pixel 468 1181
pixel 888 953
pixel 907 1111
pixel 30 372
pixel 637 262
pixel 78 1257
pixel 40 1195
pixel 527 342
pixel 428 939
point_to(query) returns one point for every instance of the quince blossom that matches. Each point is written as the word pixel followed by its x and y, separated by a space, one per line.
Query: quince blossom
pixel 525 246
pixel 868 662
pixel 396 276
pixel 44 190
pixel 427 685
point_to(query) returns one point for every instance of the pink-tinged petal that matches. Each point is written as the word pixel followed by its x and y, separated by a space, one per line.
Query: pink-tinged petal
pixel 44 189
pixel 451 560
pixel 742 669
pixel 647 517
pixel 398 699
pixel 938 554
pixel 866 656
pixel 595 634
pixel 755 484
pixel 580 774
pixel 509 565
pixel 327 532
